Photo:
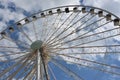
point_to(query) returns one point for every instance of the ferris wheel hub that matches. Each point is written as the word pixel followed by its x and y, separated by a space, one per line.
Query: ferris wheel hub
pixel 36 45
pixel 43 48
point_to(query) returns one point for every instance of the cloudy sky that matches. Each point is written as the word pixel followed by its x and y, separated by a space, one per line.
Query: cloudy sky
pixel 13 10
pixel 18 9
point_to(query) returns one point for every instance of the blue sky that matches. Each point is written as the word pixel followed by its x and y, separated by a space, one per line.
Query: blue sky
pixel 14 10
pixel 18 9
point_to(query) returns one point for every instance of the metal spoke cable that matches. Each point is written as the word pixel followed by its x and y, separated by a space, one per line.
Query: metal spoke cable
pixel 44 65
pixel 25 70
pixel 72 32
pixel 79 20
pixel 7 37
pixel 17 41
pixel 79 27
pixel 32 75
pixel 45 28
pixel 5 61
pixel 98 39
pixel 103 70
pixel 59 28
pixel 20 67
pixel 88 53
pixel 53 24
pixel 52 73
pixel 9 47
pixel 22 31
pixel 11 67
pixel 51 35
pixel 67 70
pixel 35 32
pixel 102 46
pixel 94 34
pixel 13 53
pixel 80 38
pixel 74 39
pixel 91 61
pixel 74 23
pixel 31 71
pixel 95 68
pixel 66 27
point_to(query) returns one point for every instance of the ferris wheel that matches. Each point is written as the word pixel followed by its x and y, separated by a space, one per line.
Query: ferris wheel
pixel 72 42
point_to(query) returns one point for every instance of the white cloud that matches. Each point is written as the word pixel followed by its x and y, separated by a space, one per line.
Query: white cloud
pixel 35 5
pixel 7 15
pixel 110 5
pixel 43 4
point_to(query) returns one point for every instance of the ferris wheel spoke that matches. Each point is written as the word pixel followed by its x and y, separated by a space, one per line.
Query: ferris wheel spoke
pixel 17 41
pixel 98 69
pixel 59 28
pixel 25 71
pixel 81 37
pixel 43 69
pixel 12 50
pixel 13 59
pixel 10 77
pixel 44 66
pixel 66 70
pixel 93 62
pixel 98 39
pixel 34 29
pixel 88 53
pixel 22 31
pixel 72 25
pixel 11 67
pixel 9 47
pixel 78 30
pixel 12 53
pixel 92 49
pixel 45 25
pixel 52 33
pixel 82 47
pixel 99 33
pixel 94 22
pixel 77 21
pixel 21 42
pixel 53 24
pixel 79 27
pixel 51 72
pixel 65 29
pixel 30 73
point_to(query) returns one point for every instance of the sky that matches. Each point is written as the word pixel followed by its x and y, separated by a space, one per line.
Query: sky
pixel 18 9
pixel 12 11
